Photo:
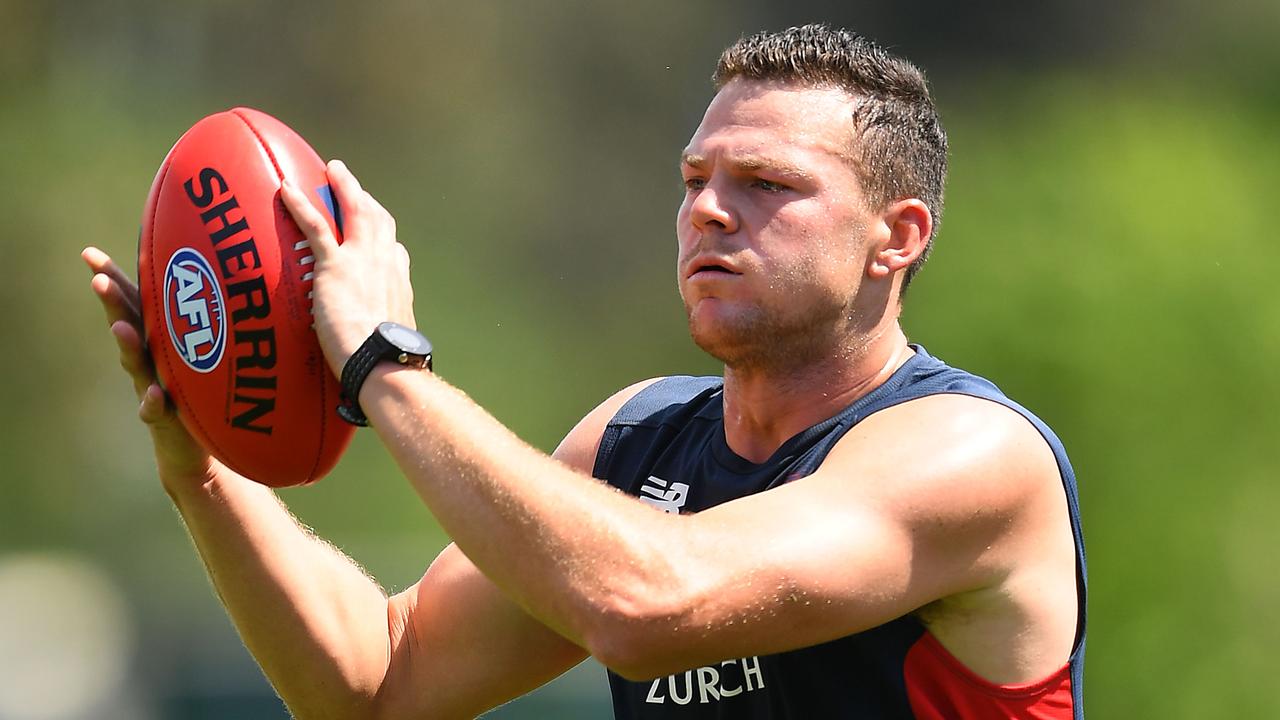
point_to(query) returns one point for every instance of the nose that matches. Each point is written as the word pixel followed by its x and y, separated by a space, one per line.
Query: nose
pixel 709 210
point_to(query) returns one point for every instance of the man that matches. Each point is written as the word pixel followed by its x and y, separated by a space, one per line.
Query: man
pixel 842 527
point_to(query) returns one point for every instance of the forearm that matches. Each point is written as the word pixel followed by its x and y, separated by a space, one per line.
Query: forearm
pixel 571 550
pixel 317 625
pixel 313 620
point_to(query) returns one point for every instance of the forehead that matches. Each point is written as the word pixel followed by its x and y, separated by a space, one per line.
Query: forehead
pixel 755 116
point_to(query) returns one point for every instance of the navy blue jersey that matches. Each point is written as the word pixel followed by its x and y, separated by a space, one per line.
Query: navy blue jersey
pixel 667 447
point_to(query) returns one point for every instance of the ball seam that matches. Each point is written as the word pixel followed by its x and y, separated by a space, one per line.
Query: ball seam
pixel 324 403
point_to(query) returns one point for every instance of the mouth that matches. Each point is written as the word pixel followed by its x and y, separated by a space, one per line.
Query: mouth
pixel 708 267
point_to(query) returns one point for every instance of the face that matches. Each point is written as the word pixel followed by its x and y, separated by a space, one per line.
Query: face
pixel 772 226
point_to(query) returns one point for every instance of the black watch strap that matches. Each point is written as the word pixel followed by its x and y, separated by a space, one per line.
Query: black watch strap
pixel 376 349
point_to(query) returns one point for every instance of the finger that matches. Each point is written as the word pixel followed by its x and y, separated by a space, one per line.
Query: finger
pixel 354 201
pixel 403 253
pixel 346 180
pixel 384 216
pixel 310 221
pixel 134 357
pixel 154 408
pixel 133 353
pixel 99 262
pixel 114 301
pixel 376 209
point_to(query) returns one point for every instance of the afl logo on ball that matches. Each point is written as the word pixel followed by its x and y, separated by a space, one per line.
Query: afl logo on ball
pixel 193 310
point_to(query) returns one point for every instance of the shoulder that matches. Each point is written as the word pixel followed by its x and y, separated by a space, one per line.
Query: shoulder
pixel 942 438
pixel 954 470
pixel 579 447
pixel 668 401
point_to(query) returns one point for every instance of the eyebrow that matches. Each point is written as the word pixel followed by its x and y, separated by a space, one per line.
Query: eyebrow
pixel 750 163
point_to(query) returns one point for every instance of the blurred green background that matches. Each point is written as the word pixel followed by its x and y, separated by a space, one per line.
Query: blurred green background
pixel 1107 258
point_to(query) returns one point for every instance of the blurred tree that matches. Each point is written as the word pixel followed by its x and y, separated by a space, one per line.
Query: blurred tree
pixel 1105 257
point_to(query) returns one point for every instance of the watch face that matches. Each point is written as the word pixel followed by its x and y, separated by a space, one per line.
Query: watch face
pixel 405 339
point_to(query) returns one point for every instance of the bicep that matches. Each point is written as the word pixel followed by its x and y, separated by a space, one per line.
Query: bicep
pixel 800 565
pixel 460 646
pixel 889 523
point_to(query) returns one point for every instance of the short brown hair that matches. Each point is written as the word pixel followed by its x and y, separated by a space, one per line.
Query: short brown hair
pixel 900 148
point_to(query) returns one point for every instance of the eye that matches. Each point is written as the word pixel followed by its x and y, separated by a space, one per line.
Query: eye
pixel 768 186
pixel 693 184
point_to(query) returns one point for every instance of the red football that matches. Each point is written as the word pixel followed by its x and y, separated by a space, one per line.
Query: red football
pixel 226 283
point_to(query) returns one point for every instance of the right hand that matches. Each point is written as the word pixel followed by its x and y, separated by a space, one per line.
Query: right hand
pixel 179 458
pixel 359 282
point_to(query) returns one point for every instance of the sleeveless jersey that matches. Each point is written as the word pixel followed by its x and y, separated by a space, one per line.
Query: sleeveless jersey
pixel 666 446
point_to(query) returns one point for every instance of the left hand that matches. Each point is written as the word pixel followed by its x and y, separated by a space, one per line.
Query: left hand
pixel 361 282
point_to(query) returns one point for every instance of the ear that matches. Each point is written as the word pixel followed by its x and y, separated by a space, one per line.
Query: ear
pixel 909 224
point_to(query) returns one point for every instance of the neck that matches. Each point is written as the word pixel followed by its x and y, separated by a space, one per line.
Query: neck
pixel 763 408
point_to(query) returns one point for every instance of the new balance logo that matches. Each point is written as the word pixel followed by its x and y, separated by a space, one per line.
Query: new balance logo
pixel 667 497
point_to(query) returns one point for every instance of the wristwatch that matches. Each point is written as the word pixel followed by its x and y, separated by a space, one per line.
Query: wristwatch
pixel 389 342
